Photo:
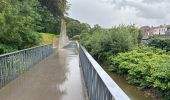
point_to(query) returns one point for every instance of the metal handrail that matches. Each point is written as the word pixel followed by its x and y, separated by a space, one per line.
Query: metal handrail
pixel 23 50
pixel 15 63
pixel 99 84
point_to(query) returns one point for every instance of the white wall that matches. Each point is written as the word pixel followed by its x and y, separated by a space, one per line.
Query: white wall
pixel 159 30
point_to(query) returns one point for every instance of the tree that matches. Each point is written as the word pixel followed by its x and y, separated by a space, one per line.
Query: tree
pixel 102 43
pixel 74 27
pixel 95 28
pixel 48 23
pixel 21 20
pixel 57 7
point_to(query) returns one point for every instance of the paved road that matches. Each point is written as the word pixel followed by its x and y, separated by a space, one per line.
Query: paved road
pixel 56 78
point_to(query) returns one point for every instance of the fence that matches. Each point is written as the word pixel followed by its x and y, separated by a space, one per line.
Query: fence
pixel 15 63
pixel 99 84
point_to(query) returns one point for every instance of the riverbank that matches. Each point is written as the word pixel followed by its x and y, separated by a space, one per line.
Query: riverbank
pixel 134 92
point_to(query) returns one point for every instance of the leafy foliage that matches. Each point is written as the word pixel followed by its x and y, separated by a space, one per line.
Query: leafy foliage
pixel 147 67
pixel 74 27
pixel 47 38
pixel 22 20
pixel 17 21
pixel 6 49
pixel 56 7
pixel 105 42
pixel 162 43
pixel 48 23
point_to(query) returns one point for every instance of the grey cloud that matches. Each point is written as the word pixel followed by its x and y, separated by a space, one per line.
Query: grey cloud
pixel 148 11
pixel 152 9
pixel 114 12
pixel 155 1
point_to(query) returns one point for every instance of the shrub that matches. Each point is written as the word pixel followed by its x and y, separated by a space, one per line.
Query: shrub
pixel 76 37
pixel 144 66
pixel 21 20
pixel 105 42
pixel 160 43
pixel 6 49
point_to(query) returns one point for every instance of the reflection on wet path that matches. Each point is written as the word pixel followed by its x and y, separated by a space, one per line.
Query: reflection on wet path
pixel 56 78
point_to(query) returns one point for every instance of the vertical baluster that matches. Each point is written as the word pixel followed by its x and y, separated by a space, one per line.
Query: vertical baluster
pixel 14 64
pixel 20 63
pixel 1 77
pixel 15 59
pixel 10 67
pixel 28 59
pixel 24 62
pixel 3 70
pixel 34 56
pixel 6 71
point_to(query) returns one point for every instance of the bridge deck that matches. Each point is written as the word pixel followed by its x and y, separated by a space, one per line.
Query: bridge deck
pixel 56 78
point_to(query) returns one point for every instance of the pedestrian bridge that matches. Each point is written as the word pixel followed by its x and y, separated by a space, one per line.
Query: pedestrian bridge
pixel 44 73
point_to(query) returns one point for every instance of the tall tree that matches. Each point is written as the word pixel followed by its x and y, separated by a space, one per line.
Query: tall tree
pixel 57 7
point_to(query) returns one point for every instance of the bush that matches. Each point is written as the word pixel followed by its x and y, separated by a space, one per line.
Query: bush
pixel 160 43
pixel 76 37
pixel 105 42
pixel 21 20
pixel 145 66
pixel 6 49
pixel 47 38
pixel 74 27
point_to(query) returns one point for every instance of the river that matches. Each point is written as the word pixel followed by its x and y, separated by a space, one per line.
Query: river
pixel 132 91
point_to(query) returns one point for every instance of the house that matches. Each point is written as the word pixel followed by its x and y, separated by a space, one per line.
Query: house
pixel 158 30
pixel 168 30
pixel 145 30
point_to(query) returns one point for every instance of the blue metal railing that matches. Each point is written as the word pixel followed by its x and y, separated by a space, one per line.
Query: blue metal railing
pixel 99 84
pixel 15 63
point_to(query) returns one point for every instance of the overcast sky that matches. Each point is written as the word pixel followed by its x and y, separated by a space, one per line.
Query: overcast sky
pixel 108 13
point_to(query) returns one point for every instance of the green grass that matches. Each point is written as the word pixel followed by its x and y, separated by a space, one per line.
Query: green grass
pixel 47 38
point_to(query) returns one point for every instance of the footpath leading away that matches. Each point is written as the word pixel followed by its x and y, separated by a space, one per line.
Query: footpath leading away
pixel 58 77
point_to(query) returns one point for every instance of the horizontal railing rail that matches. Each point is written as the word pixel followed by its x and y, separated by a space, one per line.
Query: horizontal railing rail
pixel 15 63
pixel 99 84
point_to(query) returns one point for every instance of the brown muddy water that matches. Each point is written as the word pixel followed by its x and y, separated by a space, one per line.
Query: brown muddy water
pixel 132 91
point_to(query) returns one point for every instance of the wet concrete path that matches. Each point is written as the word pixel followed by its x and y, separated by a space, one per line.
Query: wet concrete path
pixel 57 77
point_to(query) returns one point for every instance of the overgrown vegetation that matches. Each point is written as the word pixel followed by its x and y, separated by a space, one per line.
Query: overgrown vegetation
pixel 102 43
pixel 22 20
pixel 74 27
pixel 162 43
pixel 48 38
pixel 146 66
